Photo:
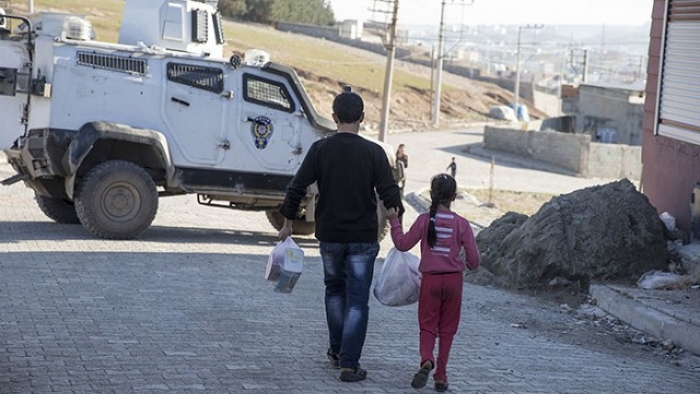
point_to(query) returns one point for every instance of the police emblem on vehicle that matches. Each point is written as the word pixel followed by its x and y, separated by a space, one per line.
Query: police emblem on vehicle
pixel 262 131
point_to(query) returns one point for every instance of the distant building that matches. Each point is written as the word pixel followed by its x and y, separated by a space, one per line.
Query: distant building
pixel 609 113
pixel 351 29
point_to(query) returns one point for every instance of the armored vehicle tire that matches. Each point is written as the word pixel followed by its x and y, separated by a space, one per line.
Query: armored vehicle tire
pixel 299 227
pixel 116 200
pixel 57 209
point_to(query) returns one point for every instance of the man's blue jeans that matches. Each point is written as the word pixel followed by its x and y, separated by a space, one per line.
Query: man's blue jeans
pixel 348 270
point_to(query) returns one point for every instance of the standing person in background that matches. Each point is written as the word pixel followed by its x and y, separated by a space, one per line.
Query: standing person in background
pixel 442 235
pixel 453 168
pixel 350 171
pixel 401 155
pixel 402 159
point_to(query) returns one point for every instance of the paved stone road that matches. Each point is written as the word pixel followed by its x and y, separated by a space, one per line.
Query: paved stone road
pixel 185 309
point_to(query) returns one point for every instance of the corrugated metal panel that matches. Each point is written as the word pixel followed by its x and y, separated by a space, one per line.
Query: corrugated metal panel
pixel 679 105
pixel 684 10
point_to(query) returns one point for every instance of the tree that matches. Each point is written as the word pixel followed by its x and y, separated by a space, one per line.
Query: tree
pixel 259 10
pixel 232 8
pixel 314 12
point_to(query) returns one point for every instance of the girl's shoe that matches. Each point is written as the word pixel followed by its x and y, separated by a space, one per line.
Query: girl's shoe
pixel 421 377
pixel 440 387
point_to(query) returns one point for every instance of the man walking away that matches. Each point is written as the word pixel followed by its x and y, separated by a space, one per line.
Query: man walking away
pixel 350 171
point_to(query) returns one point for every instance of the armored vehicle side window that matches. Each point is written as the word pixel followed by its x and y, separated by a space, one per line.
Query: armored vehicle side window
pixel 268 93
pixel 200 77
pixel 8 81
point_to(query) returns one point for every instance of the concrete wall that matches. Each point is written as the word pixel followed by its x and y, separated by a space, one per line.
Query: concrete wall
pixel 613 161
pixel 573 152
pixel 547 102
pixel 607 108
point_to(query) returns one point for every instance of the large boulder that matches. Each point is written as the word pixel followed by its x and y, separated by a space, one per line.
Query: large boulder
pixel 602 232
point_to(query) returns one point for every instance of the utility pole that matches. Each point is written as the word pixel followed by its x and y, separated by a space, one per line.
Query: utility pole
pixel 389 74
pixel 30 7
pixel 438 79
pixel 517 73
pixel 517 66
pixel 439 61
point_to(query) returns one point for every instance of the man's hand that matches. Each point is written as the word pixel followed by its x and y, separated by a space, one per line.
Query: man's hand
pixel 286 230
pixel 284 233
pixel 392 213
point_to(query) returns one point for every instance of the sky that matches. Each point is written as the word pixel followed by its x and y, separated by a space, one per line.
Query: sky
pixel 510 12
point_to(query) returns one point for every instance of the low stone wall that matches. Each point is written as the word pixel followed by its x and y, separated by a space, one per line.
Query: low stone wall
pixel 573 152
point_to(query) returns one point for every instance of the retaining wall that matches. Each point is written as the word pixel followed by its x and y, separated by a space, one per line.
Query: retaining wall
pixel 573 152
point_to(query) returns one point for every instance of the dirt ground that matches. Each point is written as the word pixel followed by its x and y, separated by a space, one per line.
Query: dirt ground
pixel 554 315
pixel 483 206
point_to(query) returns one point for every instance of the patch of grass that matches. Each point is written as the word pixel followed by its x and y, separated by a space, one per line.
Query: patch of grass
pixel 507 200
pixel 105 15
pixel 325 60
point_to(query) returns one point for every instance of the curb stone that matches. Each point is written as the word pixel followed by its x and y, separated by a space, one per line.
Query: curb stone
pixel 647 319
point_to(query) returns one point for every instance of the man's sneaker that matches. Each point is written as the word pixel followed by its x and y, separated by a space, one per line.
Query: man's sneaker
pixel 333 358
pixel 352 374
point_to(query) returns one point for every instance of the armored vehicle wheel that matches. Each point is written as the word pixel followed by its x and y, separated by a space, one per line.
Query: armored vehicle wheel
pixel 57 209
pixel 116 200
pixel 299 227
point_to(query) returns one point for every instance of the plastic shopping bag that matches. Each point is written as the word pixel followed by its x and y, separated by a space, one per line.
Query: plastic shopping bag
pixel 398 283
pixel 291 269
pixel 276 259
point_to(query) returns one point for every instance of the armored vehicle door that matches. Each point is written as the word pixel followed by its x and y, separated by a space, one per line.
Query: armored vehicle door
pixel 193 107
pixel 14 83
pixel 269 125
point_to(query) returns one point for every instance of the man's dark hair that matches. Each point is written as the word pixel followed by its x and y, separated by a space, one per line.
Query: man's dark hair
pixel 348 107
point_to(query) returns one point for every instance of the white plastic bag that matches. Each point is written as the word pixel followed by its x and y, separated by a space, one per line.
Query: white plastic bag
pixel 276 258
pixel 291 269
pixel 664 280
pixel 398 283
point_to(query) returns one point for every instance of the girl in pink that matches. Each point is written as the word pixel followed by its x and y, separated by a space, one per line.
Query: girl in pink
pixel 442 235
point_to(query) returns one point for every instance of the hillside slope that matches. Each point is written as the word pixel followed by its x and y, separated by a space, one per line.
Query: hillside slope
pixel 330 65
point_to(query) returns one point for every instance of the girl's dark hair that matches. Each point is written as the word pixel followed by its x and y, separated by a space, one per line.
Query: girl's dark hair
pixel 442 190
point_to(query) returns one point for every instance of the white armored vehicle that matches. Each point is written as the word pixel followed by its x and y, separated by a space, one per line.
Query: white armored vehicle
pixel 100 130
